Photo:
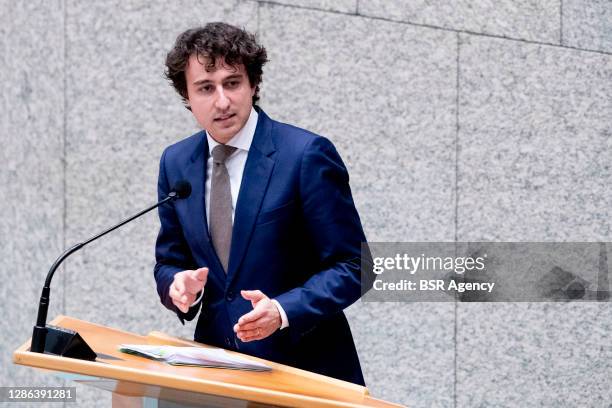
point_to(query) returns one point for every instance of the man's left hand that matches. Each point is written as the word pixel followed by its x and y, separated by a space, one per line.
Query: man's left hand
pixel 260 322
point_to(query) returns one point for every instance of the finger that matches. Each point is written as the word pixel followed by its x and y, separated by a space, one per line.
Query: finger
pixel 175 295
pixel 200 274
pixel 246 339
pixel 183 307
pixel 179 284
pixel 249 333
pixel 253 315
pixel 253 325
pixel 173 292
pixel 189 299
pixel 192 285
pixel 254 295
pixel 179 296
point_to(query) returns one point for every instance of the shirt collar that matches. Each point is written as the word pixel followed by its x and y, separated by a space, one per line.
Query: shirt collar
pixel 242 139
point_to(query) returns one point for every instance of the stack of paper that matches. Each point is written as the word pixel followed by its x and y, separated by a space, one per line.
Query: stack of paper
pixel 194 356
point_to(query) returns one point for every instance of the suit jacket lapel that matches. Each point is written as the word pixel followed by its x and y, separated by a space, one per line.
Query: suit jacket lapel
pixel 255 178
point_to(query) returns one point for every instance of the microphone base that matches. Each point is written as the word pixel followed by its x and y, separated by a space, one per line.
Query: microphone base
pixel 63 342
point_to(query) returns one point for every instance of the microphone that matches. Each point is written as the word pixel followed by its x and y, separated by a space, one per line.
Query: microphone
pixel 65 342
pixel 182 189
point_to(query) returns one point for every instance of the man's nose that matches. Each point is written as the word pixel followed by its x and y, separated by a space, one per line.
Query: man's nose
pixel 222 102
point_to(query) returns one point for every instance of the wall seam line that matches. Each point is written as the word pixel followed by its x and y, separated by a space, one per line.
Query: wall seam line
pixel 274 3
pixel 433 27
pixel 456 208
pixel 64 149
pixel 64 160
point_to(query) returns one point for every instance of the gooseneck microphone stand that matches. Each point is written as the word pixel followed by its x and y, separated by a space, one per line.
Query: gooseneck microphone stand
pixel 68 343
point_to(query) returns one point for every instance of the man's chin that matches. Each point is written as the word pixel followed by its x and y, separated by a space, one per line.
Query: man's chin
pixel 223 135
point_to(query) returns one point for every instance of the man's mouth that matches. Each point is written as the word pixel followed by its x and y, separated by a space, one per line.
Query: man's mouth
pixel 224 117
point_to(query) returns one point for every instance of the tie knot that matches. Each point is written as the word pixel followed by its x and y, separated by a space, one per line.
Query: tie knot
pixel 221 152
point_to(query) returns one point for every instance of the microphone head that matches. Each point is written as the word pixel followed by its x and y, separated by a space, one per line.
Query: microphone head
pixel 182 189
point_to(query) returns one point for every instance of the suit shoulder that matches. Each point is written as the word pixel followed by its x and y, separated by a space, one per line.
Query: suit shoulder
pixel 186 147
pixel 296 137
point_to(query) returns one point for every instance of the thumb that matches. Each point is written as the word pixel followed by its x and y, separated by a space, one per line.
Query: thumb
pixel 252 295
pixel 200 274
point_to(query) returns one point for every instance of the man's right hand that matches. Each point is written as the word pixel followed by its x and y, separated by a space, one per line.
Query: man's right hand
pixel 186 286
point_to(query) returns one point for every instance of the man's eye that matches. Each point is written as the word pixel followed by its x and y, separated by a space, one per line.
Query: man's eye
pixel 206 88
pixel 233 84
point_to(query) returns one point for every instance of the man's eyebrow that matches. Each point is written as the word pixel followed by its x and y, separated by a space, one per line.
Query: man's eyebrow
pixel 202 81
pixel 233 76
pixel 230 77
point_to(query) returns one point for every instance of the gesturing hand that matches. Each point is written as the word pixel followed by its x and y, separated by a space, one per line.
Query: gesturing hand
pixel 186 286
pixel 260 322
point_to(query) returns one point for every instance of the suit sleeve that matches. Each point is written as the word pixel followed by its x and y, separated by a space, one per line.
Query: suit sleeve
pixel 334 227
pixel 172 254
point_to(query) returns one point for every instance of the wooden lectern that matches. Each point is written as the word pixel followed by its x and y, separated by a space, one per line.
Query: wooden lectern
pixel 139 382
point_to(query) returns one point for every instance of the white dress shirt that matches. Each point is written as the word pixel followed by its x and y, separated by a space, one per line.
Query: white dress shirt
pixel 235 168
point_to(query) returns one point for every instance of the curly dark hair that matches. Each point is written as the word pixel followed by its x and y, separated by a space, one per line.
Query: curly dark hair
pixel 216 40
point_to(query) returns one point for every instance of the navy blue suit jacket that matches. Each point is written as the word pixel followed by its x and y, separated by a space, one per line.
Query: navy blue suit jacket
pixel 296 237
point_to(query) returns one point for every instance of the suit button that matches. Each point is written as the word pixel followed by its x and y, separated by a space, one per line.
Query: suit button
pixel 230 296
pixel 227 341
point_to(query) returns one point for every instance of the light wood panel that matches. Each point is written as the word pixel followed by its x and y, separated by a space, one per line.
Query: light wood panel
pixel 138 376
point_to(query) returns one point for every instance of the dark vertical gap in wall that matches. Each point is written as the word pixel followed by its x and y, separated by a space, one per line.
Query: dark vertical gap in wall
pixel 560 22
pixel 64 161
pixel 357 7
pixel 457 136
pixel 64 158
pixel 456 210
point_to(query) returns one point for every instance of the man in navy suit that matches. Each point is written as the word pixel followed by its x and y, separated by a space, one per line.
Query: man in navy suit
pixel 267 248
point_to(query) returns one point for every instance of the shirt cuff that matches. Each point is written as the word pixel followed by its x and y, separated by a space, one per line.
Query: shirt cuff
pixel 284 321
pixel 198 299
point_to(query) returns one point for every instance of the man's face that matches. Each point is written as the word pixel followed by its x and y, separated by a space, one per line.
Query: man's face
pixel 221 99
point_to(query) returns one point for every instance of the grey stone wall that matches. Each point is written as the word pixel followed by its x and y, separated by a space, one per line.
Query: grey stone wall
pixel 467 120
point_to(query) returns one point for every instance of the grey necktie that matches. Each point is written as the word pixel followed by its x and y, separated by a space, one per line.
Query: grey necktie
pixel 220 226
